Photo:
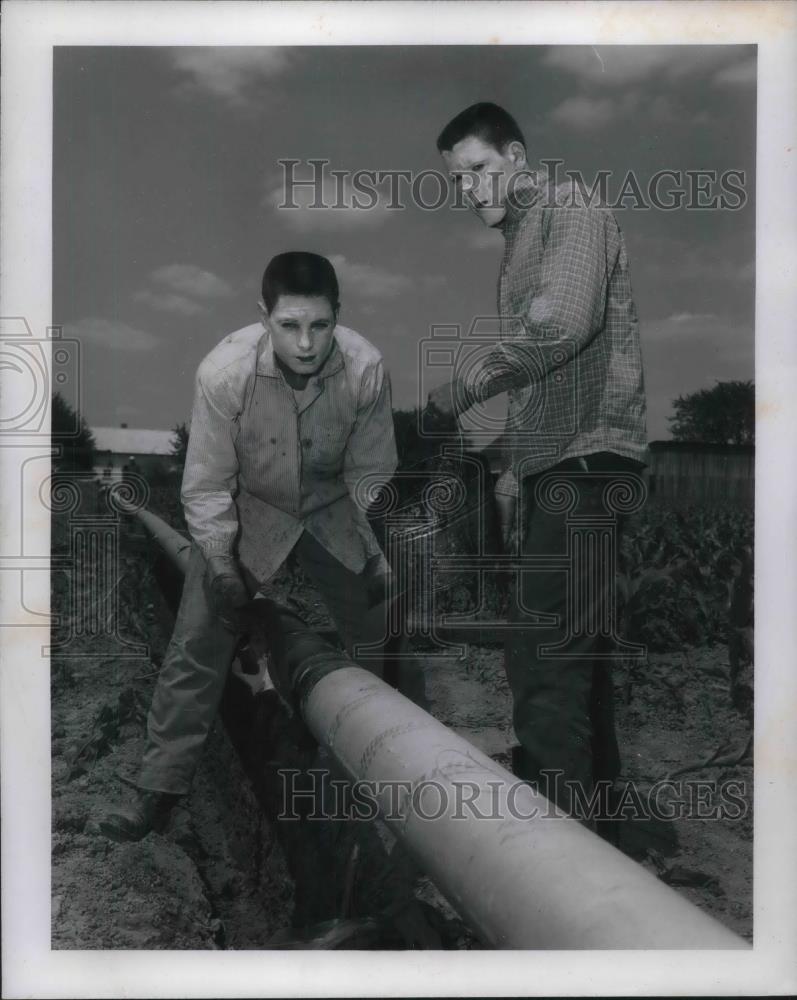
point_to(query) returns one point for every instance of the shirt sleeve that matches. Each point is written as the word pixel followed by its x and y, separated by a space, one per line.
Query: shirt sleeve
pixel 211 469
pixel 567 310
pixel 371 448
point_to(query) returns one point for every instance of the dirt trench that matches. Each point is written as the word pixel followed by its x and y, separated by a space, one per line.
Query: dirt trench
pixel 226 873
pixel 216 877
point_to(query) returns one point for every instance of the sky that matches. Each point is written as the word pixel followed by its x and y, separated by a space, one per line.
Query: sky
pixel 167 186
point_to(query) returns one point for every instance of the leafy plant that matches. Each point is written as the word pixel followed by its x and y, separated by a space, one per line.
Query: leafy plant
pixel 675 569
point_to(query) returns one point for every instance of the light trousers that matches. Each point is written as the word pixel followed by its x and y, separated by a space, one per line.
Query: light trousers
pixel 196 665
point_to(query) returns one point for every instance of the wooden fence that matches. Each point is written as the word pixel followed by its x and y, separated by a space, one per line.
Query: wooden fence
pixel 696 472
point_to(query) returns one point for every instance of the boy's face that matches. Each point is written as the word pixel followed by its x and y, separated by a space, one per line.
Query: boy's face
pixel 301 328
pixel 484 173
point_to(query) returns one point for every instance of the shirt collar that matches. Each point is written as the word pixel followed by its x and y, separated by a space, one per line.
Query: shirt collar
pixel 267 365
pixel 525 192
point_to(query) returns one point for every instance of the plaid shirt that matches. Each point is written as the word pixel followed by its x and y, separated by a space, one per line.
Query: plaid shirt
pixel 569 354
pixel 265 464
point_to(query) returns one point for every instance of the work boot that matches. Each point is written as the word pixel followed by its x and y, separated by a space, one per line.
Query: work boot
pixel 134 820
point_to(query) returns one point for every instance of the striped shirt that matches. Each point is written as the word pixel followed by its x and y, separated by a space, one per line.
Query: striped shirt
pixel 569 354
pixel 264 465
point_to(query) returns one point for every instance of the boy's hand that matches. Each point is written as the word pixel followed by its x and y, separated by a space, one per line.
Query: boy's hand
pixel 228 592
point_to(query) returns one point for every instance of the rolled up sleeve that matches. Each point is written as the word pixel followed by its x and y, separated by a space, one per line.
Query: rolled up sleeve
pixel 211 467
pixel 566 309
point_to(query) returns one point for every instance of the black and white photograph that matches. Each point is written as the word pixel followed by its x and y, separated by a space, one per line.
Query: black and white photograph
pixel 398 503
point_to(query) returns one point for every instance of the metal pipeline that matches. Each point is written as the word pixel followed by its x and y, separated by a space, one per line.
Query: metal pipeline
pixel 521 873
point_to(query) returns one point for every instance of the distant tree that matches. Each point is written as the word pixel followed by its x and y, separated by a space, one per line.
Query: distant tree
pixel 722 415
pixel 179 442
pixel 71 434
pixel 413 447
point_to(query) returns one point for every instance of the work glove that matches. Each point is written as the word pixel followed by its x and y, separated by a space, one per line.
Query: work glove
pixel 228 594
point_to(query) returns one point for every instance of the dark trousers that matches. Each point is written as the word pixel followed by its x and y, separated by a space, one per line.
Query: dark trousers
pixel 563 706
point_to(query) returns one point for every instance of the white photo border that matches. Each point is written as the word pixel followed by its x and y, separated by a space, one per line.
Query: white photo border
pixel 30 968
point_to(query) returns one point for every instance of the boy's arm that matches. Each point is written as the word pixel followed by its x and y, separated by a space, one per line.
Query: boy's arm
pixel 211 468
pixel 209 481
pixel 371 448
pixel 581 250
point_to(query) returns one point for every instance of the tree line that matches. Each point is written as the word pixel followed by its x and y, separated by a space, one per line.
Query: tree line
pixel 724 414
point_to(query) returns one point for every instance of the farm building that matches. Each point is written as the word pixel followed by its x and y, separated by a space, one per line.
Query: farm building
pixel 132 449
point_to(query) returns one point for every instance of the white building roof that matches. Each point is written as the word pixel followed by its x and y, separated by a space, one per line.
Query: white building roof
pixel 132 441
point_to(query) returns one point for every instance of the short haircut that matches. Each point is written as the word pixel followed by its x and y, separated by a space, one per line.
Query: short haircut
pixel 299 273
pixel 487 122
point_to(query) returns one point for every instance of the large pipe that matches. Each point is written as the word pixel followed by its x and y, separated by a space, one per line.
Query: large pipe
pixel 521 873
pixel 536 882
pixel 177 548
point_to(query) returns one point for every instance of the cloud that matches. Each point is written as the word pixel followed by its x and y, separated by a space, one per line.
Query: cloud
pixel 598 70
pixel 169 302
pixel 338 207
pixel 187 279
pixel 113 334
pixel 184 289
pixel 728 335
pixel 679 319
pixel 229 73
pixel 484 238
pixel 368 281
pixel 618 65
pixel 740 73
pixel 585 113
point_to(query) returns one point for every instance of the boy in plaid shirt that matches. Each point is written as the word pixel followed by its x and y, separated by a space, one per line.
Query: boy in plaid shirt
pixel 569 358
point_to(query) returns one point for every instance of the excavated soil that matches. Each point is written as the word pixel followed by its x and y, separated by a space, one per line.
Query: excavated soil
pixel 219 878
